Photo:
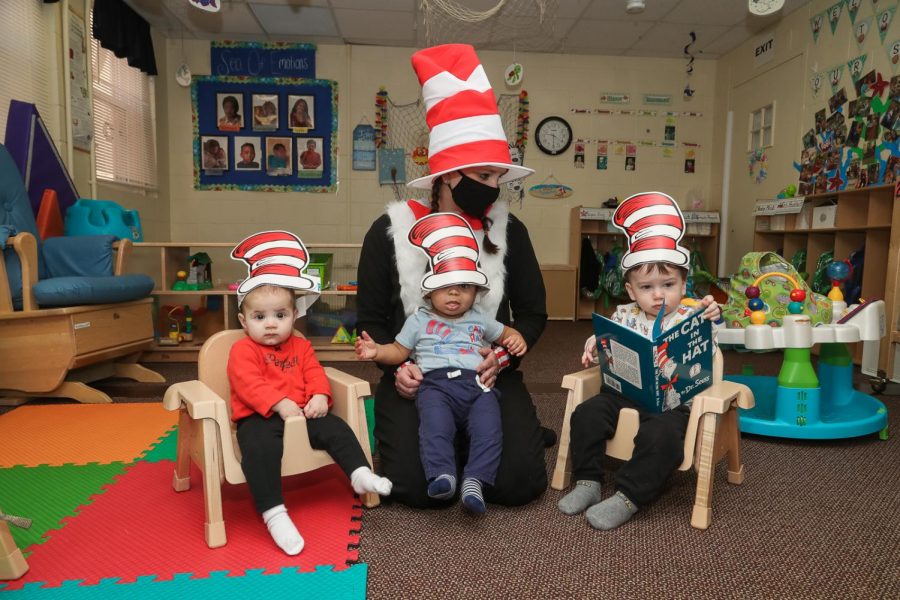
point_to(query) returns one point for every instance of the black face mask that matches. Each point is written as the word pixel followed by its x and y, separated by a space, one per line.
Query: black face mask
pixel 474 197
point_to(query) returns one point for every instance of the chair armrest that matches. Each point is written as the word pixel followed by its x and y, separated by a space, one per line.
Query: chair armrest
pixel 198 399
pixel 717 399
pixel 585 384
pixel 347 392
pixel 122 249
pixel 25 246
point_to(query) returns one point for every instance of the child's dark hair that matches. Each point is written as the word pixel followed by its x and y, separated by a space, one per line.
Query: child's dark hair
pixel 663 268
pixel 489 246
pixel 277 146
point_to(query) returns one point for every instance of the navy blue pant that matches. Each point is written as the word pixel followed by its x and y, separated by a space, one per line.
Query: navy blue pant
pixel 445 403
pixel 261 441
pixel 658 445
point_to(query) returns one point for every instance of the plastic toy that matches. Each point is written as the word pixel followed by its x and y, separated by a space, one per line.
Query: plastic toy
pixel 103 217
pixel 800 402
pixel 180 284
pixel 199 271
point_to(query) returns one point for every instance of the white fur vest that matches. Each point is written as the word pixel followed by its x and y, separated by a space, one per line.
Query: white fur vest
pixel 412 263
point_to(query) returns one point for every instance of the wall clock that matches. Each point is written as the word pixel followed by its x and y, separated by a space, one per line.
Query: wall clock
pixel 762 8
pixel 553 135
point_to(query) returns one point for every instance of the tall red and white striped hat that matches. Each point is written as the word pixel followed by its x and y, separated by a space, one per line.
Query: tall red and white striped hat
pixel 653 224
pixel 451 247
pixel 273 258
pixel 462 116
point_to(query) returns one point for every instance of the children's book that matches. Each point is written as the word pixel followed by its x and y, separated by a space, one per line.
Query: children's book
pixel 661 372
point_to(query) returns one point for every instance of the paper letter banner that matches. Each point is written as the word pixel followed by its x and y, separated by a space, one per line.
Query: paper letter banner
pixel 855 66
pixel 602 158
pixel 815 24
pixel 884 19
pixel 815 83
pixel 852 9
pixel 861 31
pixel 834 15
pixel 893 51
pixel 834 76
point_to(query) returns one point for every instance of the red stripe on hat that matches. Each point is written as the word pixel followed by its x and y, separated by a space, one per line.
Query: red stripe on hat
pixel 261 238
pixel 452 242
pixel 654 220
pixel 457 59
pixel 480 152
pixel 468 103
pixel 454 264
pixel 431 223
pixel 276 269
pixel 297 253
pixel 653 243
pixel 636 203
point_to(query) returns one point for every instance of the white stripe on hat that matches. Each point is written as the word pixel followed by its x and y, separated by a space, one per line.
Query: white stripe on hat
pixel 284 243
pixel 456 252
pixel 445 232
pixel 657 231
pixel 291 261
pixel 465 130
pixel 650 211
pixel 446 84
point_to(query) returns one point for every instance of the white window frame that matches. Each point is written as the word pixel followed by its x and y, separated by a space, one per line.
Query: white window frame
pixel 124 122
pixel 761 128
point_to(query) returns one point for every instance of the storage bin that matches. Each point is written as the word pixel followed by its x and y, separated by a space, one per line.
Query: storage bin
pixel 320 266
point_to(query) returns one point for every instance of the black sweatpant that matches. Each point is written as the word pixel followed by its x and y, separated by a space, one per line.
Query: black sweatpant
pixel 522 475
pixel 658 445
pixel 262 443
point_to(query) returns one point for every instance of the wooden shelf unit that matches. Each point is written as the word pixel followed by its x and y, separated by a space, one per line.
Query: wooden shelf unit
pixel 604 236
pixel 864 218
pixel 215 309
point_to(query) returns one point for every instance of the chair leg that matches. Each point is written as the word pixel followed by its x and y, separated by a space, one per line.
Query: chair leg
pixel 371 500
pixel 214 527
pixel 562 474
pixel 12 563
pixel 732 437
pixel 137 372
pixel 181 478
pixel 702 513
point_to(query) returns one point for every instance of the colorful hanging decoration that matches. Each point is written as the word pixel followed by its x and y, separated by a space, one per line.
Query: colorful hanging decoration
pixel 381 100
pixel 816 83
pixel 758 167
pixel 815 25
pixel 689 68
pixel 884 19
pixel 852 9
pixel 855 67
pixel 861 31
pixel 893 52
pixel 522 121
pixel 550 191
pixel 834 14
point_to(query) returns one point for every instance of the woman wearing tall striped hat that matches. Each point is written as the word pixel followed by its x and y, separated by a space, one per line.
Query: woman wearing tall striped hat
pixel 468 160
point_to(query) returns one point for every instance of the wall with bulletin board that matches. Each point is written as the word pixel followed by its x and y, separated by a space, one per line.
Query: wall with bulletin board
pixel 291 153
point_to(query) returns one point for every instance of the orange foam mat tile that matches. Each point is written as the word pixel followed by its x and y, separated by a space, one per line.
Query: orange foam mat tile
pixel 141 527
pixel 58 434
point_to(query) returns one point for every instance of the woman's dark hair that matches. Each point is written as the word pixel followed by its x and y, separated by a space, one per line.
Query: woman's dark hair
pixel 489 246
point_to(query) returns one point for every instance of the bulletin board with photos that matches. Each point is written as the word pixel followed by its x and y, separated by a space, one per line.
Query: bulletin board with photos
pixel 264 134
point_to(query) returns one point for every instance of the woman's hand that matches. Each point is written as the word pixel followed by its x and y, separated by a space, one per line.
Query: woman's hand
pixel 713 311
pixel 316 407
pixel 408 380
pixel 488 368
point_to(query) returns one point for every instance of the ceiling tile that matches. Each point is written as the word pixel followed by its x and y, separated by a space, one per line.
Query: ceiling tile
pixel 392 5
pixel 295 20
pixel 704 12
pixel 593 34
pixel 376 24
pixel 615 9
pixel 669 39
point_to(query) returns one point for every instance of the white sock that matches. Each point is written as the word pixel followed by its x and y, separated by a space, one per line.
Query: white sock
pixel 282 530
pixel 365 481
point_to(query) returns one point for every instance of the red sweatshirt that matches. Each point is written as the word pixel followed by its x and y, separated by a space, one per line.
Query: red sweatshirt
pixel 261 376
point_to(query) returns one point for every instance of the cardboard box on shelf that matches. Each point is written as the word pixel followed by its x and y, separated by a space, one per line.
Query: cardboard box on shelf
pixel 823 216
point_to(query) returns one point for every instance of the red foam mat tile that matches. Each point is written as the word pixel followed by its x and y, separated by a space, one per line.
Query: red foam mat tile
pixel 141 526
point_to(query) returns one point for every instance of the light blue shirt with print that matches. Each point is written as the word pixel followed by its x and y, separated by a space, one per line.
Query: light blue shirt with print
pixel 440 342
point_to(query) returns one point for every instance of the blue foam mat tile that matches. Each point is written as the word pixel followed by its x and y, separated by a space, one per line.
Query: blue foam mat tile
pixel 324 582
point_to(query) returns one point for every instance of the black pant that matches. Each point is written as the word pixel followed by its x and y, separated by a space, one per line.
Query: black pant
pixel 522 475
pixel 262 443
pixel 658 445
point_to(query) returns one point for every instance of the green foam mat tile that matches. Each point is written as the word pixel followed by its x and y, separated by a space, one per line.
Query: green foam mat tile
pixel 346 584
pixel 48 494
pixel 164 449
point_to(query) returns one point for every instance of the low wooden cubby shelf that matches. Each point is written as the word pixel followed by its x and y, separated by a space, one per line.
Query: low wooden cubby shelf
pixel 215 309
pixel 867 218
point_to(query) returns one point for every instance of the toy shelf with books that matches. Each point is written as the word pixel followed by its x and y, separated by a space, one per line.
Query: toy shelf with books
pixel 862 222
pixel 195 296
pixel 701 234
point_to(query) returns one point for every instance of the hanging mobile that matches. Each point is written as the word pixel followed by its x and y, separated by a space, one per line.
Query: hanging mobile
pixel 183 72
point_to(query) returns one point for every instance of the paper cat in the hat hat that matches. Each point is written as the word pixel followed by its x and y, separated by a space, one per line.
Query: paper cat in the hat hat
pixel 654 225
pixel 452 250
pixel 273 258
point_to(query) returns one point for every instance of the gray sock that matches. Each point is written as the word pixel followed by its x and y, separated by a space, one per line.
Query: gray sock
pixel 612 512
pixel 585 493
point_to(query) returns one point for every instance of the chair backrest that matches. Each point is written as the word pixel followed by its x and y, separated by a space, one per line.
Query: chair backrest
pixel 15 211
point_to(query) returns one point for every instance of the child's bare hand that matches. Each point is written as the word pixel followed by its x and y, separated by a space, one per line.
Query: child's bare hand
pixel 366 348
pixel 287 408
pixel 316 407
pixel 590 350
pixel 515 343
pixel 713 311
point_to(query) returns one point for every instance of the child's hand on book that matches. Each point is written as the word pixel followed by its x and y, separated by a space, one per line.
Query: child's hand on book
pixel 366 348
pixel 712 312
pixel 316 407
pixel 515 343
pixel 590 352
pixel 287 408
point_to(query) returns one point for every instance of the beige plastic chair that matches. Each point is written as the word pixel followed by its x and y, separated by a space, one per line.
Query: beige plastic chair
pixel 207 436
pixel 712 433
pixel 12 562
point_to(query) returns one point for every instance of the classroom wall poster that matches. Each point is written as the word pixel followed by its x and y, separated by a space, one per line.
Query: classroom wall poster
pixel 602 152
pixel 364 148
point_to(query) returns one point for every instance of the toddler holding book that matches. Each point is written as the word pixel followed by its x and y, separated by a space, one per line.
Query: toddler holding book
pixel 655 269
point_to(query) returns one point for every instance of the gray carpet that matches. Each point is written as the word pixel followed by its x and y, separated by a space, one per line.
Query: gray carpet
pixel 812 519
